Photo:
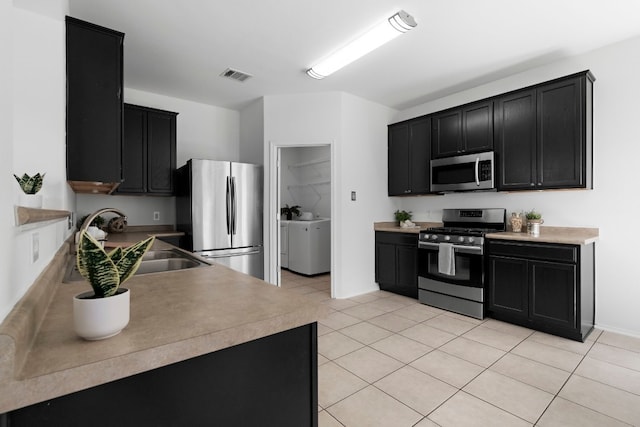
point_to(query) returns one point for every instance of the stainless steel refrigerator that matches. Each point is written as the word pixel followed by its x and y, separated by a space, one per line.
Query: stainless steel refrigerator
pixel 219 208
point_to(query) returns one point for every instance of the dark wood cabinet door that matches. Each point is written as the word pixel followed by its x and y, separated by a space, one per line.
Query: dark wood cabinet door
pixel 515 140
pixel 446 134
pixel 94 102
pixel 149 152
pixel 477 127
pixel 398 158
pixel 553 293
pixel 509 286
pixel 407 277
pixel 134 167
pixel 561 143
pixel 419 156
pixel 386 263
pixel 161 152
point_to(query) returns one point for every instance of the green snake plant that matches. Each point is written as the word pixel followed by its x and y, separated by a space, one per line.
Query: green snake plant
pixel 106 272
pixel 30 184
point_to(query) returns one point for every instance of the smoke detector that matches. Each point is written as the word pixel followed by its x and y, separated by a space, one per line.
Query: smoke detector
pixel 235 75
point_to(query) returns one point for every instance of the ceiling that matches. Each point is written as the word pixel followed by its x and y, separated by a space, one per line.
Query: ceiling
pixel 179 48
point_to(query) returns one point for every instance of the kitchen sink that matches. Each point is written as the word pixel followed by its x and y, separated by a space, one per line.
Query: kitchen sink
pixel 158 261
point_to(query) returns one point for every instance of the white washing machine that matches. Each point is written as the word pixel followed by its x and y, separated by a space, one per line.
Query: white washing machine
pixel 284 243
pixel 309 248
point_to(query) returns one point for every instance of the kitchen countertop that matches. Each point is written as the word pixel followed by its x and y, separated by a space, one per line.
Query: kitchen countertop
pixel 392 226
pixel 565 235
pixel 174 316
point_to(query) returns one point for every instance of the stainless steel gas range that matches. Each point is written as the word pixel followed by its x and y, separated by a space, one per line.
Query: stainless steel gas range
pixel 451 266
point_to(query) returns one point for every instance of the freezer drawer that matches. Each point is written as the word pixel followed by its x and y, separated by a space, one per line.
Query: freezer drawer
pixel 245 260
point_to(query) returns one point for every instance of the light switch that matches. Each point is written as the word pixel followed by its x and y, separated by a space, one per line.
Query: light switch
pixel 353 196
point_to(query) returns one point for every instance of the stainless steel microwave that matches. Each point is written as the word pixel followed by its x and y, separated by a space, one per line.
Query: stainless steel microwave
pixel 468 172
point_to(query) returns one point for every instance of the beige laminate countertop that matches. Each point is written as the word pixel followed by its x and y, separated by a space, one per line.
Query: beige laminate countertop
pixel 564 235
pixel 174 316
pixel 392 226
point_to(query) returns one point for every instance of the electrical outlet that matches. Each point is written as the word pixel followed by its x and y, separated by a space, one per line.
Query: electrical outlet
pixel 353 196
pixel 35 247
pixel 156 216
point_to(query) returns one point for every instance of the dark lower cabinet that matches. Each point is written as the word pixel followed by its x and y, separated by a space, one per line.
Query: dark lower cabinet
pixel 397 262
pixel 271 381
pixel 547 287
pixel 149 151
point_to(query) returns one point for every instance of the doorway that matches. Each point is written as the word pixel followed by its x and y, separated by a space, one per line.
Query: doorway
pixel 301 254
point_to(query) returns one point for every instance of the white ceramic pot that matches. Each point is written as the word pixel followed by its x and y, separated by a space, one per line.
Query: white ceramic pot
pixel 30 200
pixel 100 318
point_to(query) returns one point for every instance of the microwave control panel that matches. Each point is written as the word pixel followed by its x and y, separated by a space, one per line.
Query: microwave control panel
pixel 485 170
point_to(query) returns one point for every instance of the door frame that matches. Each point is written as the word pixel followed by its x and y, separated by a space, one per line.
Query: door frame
pixel 272 264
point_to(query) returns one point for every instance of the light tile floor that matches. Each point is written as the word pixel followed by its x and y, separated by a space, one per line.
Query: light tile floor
pixel 386 360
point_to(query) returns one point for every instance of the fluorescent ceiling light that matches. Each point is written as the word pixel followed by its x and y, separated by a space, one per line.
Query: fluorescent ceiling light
pixel 380 34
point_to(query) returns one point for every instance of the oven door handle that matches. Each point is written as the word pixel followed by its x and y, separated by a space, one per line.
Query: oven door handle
pixel 458 248
pixel 478 171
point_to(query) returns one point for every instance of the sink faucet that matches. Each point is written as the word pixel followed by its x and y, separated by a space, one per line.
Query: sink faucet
pixel 94 215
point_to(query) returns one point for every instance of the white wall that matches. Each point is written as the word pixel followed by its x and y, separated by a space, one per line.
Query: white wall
pixel 251 148
pixel 203 131
pixel 613 204
pixel 32 123
pixel 356 130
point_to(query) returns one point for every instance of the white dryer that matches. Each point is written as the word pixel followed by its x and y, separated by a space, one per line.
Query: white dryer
pixel 309 246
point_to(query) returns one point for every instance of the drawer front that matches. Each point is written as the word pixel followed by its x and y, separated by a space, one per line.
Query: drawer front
pixel 397 238
pixel 542 251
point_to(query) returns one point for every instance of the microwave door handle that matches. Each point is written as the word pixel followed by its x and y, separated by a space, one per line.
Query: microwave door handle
pixel 478 171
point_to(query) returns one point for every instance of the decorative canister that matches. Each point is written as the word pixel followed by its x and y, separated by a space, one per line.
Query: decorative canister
pixel 533 226
pixel 516 222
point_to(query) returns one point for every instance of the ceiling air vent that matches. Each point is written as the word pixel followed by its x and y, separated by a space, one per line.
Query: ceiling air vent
pixel 235 75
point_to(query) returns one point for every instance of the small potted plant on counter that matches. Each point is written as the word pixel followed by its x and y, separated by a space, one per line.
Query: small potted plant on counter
pixel 30 185
pixel 290 211
pixel 104 312
pixel 403 218
pixel 534 219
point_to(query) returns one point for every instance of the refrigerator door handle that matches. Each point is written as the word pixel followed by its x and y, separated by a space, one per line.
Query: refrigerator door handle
pixel 227 255
pixel 228 205
pixel 234 206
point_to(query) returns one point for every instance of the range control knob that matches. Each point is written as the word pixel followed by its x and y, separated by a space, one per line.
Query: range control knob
pixel 460 239
pixel 447 238
pixel 471 240
pixel 434 237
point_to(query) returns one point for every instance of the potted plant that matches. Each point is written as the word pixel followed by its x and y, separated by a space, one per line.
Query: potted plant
pixel 534 219
pixel 30 185
pixel 290 211
pixel 403 218
pixel 104 312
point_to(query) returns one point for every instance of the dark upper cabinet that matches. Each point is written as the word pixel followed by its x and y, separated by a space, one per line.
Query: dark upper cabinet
pixel 544 135
pixel 466 129
pixel 408 157
pixel 543 286
pixel 94 102
pixel 149 152
pixel 515 140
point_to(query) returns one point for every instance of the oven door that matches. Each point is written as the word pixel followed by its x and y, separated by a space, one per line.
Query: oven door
pixel 469 266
